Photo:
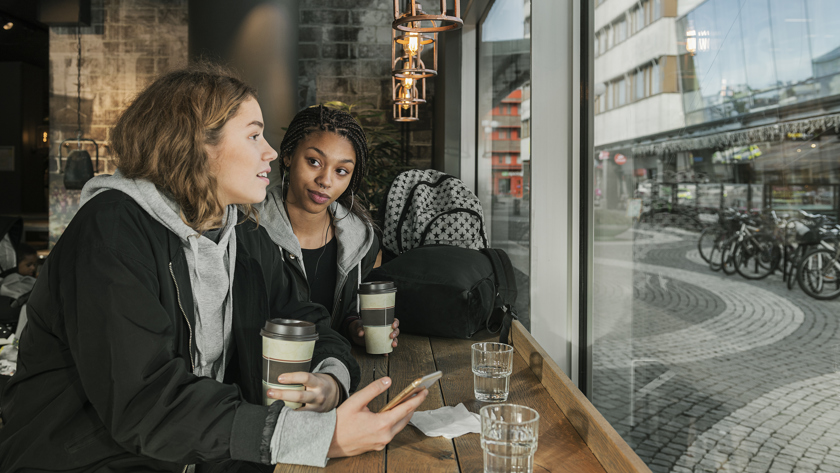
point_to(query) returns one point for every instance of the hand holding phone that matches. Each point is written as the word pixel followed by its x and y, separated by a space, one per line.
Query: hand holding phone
pixel 416 386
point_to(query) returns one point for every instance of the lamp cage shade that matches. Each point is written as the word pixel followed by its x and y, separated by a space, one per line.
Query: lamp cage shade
pixel 415 20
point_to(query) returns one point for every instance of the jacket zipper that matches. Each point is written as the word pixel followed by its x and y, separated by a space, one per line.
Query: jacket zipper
pixel 178 292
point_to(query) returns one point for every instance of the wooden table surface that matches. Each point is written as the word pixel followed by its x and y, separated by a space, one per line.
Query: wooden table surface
pixel 560 447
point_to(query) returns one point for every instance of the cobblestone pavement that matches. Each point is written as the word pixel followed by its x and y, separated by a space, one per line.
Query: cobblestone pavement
pixel 704 372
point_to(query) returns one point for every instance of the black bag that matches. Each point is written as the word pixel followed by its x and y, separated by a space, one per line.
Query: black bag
pixel 453 292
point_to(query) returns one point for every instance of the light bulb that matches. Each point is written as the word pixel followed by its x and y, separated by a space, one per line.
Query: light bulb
pixel 406 93
pixel 409 82
pixel 413 44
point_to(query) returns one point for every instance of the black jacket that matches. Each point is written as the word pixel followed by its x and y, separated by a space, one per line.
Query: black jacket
pixel 104 378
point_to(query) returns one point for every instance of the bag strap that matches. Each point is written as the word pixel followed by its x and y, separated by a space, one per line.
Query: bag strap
pixel 450 212
pixel 505 278
pixel 407 205
pixel 503 316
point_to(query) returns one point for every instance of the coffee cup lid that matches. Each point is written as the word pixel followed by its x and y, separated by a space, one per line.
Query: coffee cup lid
pixel 290 330
pixel 377 287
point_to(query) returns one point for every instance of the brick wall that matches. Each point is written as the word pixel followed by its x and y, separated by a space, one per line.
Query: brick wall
pixel 345 55
pixel 129 43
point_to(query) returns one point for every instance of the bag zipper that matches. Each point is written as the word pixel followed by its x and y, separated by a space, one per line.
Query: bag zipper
pixel 178 295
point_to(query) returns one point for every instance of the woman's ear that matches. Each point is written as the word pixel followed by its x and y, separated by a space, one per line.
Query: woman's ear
pixel 287 161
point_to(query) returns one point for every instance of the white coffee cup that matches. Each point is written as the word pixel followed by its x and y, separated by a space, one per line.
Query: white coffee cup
pixel 377 302
pixel 287 347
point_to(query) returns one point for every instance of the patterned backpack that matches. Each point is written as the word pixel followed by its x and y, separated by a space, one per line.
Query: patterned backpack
pixel 428 207
pixel 450 283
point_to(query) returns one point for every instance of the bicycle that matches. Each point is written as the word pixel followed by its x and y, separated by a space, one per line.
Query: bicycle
pixel 818 273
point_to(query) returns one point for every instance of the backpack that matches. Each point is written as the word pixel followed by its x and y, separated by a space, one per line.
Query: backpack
pixel 428 207
pixel 450 283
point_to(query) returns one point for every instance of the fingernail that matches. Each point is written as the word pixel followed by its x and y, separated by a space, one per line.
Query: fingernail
pixel 280 379
pixel 385 381
pixel 271 392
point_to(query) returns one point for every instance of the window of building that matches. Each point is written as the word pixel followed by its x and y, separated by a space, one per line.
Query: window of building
pixel 639 84
pixel 620 29
pixel 656 80
pixel 621 91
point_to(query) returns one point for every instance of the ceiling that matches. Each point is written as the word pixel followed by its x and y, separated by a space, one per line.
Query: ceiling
pixel 28 40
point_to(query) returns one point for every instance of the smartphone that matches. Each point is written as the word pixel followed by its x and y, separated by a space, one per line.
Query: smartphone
pixel 415 387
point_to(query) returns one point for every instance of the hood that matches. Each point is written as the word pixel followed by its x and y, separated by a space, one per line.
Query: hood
pixel 160 206
pixel 354 236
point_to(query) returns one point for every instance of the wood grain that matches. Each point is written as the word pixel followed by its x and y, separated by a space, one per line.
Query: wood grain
pixel 368 462
pixel 560 448
pixel 606 444
pixel 411 450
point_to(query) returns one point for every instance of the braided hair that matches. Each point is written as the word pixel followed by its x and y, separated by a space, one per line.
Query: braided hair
pixel 321 118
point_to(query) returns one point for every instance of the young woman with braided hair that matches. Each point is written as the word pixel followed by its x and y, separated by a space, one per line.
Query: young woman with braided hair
pixel 317 218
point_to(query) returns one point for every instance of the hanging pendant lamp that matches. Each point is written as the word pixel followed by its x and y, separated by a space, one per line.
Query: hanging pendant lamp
pixel 415 20
pixel 407 96
pixel 78 169
pixel 406 49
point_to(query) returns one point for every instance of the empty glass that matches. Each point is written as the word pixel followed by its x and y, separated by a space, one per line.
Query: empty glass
pixel 509 438
pixel 492 364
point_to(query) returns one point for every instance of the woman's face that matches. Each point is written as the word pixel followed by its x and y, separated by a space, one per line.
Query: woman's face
pixel 319 170
pixel 240 162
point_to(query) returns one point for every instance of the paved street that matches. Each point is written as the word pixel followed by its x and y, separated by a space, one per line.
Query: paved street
pixel 704 372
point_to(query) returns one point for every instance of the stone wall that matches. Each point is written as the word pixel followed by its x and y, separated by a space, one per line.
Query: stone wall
pixel 129 43
pixel 345 55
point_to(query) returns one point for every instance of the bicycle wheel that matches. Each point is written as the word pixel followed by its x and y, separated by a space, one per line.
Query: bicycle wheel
pixel 756 257
pixel 716 254
pixel 793 264
pixel 819 274
pixel 727 260
pixel 707 241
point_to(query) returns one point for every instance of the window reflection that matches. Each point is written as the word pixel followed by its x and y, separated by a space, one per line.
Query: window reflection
pixel 721 111
pixel 504 97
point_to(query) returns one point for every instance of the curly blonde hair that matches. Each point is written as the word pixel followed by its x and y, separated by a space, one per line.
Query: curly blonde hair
pixel 162 137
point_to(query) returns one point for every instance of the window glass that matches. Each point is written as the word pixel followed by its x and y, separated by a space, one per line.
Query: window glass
pixel 639 84
pixel 730 119
pixel 621 85
pixel 656 79
pixel 503 185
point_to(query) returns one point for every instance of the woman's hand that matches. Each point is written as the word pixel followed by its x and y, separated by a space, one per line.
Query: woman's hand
pixel 357 332
pixel 320 392
pixel 358 430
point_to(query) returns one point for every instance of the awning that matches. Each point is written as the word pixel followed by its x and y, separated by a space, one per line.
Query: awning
pixel 731 139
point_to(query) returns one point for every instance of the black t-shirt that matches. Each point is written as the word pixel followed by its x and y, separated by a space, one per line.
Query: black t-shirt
pixel 321 265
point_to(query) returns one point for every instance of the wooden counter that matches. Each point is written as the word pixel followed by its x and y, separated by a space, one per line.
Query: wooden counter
pixel 574 437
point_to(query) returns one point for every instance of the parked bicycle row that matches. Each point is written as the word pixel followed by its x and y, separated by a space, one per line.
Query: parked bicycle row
pixel 805 247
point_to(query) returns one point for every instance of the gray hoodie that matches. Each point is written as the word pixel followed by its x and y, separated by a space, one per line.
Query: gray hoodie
pixel 300 437
pixel 210 264
pixel 354 237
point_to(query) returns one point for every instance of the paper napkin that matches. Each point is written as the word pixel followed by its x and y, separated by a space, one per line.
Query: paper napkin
pixel 448 422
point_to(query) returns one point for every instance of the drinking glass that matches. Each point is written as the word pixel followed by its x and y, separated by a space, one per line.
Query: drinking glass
pixel 509 438
pixel 492 364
